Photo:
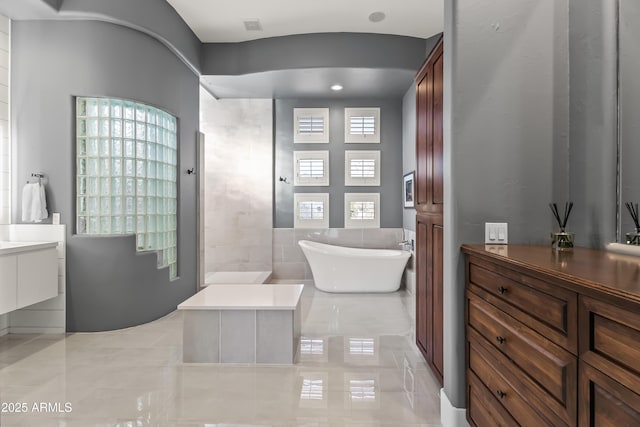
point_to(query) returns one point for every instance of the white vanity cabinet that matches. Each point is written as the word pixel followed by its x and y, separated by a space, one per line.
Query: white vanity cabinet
pixel 28 274
pixel 8 288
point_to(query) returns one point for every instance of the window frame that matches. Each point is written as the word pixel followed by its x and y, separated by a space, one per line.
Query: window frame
pixel 354 181
pixel 303 138
pixel 361 223
pixel 310 197
pixel 350 138
pixel 300 181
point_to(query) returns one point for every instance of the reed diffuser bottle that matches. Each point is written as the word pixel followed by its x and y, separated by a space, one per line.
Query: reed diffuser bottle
pixel 562 240
pixel 634 237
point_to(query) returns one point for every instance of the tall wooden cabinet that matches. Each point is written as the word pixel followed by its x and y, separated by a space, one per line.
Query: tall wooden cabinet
pixel 429 202
pixel 553 338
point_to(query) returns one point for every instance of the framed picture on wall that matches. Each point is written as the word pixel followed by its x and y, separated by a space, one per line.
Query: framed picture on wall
pixel 408 189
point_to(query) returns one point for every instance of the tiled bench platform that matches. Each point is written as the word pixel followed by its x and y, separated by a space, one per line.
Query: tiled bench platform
pixel 241 277
pixel 231 323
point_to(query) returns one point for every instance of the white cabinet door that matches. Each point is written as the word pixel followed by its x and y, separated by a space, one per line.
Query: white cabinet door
pixel 8 296
pixel 37 276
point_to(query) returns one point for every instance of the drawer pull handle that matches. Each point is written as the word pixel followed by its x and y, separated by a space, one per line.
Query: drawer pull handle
pixel 501 394
pixel 502 290
pixel 500 340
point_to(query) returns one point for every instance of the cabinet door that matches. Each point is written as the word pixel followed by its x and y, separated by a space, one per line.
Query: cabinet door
pixel 429 137
pixel 8 285
pixel 37 274
pixel 429 290
pixel 604 402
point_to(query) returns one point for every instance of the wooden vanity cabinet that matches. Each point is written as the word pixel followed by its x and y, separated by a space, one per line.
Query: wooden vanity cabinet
pixel 552 338
pixel 610 365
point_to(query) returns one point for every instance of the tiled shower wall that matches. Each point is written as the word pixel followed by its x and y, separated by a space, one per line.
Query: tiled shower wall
pixel 238 167
pixel 289 262
pixel 5 151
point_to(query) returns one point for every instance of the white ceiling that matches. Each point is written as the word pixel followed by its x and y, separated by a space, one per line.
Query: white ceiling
pixel 222 20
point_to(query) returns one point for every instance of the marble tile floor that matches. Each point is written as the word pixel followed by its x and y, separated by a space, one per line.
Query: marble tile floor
pixel 356 367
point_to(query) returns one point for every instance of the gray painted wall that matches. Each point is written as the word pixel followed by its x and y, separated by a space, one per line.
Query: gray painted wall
pixel 390 159
pixel 430 43
pixel 409 148
pixel 343 50
pixel 154 17
pixel 593 121
pixel 109 285
pixel 506 125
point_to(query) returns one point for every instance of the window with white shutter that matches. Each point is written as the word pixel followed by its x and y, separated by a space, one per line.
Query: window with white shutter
pixel 311 168
pixel 362 125
pixel 311 125
pixel 311 210
pixel 362 210
pixel 362 168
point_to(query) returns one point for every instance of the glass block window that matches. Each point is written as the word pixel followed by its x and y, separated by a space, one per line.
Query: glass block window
pixel 362 125
pixel 311 168
pixel 311 210
pixel 127 174
pixel 362 210
pixel 311 125
pixel 362 168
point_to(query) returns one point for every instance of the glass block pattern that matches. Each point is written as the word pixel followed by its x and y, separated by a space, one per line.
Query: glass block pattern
pixel 127 174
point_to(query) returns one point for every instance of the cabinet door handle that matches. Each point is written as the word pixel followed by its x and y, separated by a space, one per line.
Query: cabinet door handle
pixel 501 394
pixel 502 290
pixel 500 339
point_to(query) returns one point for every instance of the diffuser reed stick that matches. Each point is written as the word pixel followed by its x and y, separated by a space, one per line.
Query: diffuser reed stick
pixel 562 221
pixel 562 240
pixel 633 211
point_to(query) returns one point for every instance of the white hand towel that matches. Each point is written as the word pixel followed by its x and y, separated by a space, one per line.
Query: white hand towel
pixel 34 203
pixel 42 212
pixel 27 201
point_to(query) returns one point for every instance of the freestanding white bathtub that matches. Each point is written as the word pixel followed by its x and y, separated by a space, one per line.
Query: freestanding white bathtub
pixel 342 269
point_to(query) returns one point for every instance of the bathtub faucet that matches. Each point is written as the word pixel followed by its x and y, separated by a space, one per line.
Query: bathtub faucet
pixel 406 243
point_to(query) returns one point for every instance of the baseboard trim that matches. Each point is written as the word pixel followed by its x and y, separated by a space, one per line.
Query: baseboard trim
pixel 450 416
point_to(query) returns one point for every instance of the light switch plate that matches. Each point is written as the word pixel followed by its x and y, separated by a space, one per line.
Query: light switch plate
pixel 496 233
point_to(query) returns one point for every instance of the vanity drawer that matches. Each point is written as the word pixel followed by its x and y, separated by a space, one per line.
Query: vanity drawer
pixel 483 410
pixel 525 400
pixel 552 367
pixel 544 307
pixel 610 339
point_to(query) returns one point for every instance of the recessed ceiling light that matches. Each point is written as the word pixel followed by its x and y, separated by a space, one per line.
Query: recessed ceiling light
pixel 377 16
pixel 336 87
